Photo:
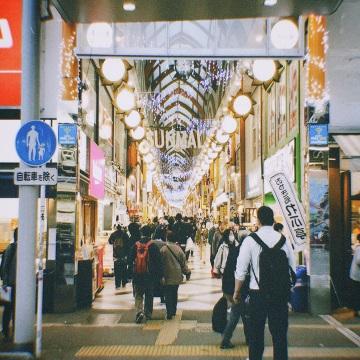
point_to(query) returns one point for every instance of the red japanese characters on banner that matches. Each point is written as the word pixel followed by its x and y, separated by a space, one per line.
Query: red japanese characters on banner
pixel 10 53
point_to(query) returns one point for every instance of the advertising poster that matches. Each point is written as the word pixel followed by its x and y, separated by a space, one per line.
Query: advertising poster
pixel 97 172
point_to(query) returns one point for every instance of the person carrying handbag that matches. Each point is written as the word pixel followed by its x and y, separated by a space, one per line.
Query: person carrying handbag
pixel 174 265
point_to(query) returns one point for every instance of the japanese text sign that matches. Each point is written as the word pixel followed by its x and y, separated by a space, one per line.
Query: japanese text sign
pixel 35 176
pixel 291 208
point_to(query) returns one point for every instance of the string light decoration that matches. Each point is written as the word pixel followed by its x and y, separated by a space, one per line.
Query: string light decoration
pixel 316 87
pixel 69 68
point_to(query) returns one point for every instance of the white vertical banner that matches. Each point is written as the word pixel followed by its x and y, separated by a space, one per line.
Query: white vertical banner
pixel 291 208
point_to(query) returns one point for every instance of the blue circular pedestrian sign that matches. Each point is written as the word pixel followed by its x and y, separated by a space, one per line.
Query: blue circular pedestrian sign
pixel 35 143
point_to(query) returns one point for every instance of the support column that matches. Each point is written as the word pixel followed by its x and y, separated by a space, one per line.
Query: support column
pixel 317 177
pixel 28 195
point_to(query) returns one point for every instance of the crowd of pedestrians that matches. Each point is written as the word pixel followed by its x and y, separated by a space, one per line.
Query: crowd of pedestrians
pixel 156 256
pixel 256 268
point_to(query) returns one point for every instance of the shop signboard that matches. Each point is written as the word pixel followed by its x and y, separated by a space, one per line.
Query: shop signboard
pixel 97 172
pixel 282 161
pixel 67 134
pixel 10 53
pixel 35 143
pixel 318 134
pixel 291 208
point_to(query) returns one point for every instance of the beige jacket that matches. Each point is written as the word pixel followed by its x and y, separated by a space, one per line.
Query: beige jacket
pixel 174 264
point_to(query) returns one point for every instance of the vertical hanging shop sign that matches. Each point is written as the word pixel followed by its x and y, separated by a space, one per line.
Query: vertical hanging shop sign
pixel 97 172
pixel 291 208
pixel 10 53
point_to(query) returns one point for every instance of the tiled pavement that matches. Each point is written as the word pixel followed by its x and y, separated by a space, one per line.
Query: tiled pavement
pixel 108 331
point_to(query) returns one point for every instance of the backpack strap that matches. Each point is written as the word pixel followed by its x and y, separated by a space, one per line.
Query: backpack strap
pixel 280 243
pixel 256 237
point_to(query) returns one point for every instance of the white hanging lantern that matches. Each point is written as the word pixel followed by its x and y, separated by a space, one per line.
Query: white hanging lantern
pixel 213 155
pixel 264 69
pixel 151 166
pixel 221 138
pixel 242 105
pixel 229 124
pixel 148 158
pixel 99 35
pixel 105 131
pixel 138 133
pixel 113 69
pixel 216 147
pixel 144 147
pixel 125 99
pixel 133 119
pixel 284 34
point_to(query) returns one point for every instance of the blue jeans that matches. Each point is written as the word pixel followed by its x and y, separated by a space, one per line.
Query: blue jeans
pixel 237 310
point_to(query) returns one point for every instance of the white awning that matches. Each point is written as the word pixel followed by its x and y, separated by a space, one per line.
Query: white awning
pixel 350 144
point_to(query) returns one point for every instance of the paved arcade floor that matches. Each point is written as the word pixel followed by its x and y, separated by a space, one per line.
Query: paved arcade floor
pixel 108 331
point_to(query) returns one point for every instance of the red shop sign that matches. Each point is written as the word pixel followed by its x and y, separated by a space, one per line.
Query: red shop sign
pixel 10 53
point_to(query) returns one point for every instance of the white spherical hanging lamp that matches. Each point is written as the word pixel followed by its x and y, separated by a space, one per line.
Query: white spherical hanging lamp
pixel 221 138
pixel 151 166
pixel 133 119
pixel 138 133
pixel 148 158
pixel 213 155
pixel 105 131
pixel 216 147
pixel 144 147
pixel 113 69
pixel 284 34
pixel 229 124
pixel 242 105
pixel 125 99
pixel 264 69
pixel 99 35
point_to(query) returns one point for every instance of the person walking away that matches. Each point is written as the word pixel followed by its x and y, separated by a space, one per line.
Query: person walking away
pixel 159 238
pixel 180 231
pixel 215 244
pixel 8 276
pixel 355 277
pixel 174 265
pixel 120 241
pixel 147 271
pixel 272 265
pixel 225 265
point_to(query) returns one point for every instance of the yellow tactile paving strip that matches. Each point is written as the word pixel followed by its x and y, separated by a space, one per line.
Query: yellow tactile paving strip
pixel 209 351
pixel 152 351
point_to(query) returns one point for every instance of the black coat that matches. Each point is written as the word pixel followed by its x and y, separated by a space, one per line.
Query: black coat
pixel 8 265
pixel 228 279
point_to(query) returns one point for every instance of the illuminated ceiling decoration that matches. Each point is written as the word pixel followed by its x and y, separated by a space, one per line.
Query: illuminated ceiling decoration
pixel 182 95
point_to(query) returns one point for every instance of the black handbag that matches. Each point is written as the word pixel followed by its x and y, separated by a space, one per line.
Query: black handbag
pixel 219 316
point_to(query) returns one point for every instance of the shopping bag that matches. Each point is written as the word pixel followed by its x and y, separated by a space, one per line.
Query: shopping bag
pixel 219 315
pixel 5 295
pixel 189 244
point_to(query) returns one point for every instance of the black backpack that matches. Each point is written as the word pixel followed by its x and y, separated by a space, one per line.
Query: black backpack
pixel 219 315
pixel 275 274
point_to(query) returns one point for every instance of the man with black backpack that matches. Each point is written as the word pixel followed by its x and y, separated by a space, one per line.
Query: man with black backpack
pixel 272 266
pixel 145 260
pixel 119 239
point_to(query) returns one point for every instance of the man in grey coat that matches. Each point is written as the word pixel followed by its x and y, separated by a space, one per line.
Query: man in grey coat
pixel 174 266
